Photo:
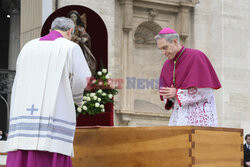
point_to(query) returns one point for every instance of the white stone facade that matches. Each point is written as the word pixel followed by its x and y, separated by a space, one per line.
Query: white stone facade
pixel 221 31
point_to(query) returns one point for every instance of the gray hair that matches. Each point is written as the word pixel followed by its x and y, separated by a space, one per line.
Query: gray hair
pixel 63 24
pixel 168 37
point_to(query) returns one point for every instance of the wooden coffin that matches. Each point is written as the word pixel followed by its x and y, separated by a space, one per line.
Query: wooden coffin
pixel 185 146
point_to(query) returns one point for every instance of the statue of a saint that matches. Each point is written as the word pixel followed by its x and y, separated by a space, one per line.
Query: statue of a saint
pixel 82 38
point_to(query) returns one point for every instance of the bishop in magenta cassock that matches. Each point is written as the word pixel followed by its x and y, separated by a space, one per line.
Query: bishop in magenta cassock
pixel 187 82
pixel 51 74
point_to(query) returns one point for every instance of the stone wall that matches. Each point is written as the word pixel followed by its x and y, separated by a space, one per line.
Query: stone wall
pixel 221 30
pixel 236 60
pixel 31 20
pixel 208 20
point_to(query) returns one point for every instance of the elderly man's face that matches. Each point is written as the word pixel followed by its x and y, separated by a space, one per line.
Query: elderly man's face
pixel 168 49
pixel 248 140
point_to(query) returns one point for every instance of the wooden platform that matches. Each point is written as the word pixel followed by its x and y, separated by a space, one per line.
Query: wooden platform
pixel 158 147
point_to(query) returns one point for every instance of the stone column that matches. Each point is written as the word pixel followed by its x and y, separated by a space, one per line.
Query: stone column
pixel 14 43
pixel 34 13
pixel 127 99
pixel 14 38
pixel 184 23
pixel 31 20
pixel 47 9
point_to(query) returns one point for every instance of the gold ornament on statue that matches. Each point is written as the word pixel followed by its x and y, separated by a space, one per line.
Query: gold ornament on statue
pixel 82 38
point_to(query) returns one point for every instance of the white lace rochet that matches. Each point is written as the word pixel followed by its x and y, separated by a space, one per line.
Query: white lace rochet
pixel 194 106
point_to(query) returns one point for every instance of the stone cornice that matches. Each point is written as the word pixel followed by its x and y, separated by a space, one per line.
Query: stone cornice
pixel 171 5
pixel 144 114
pixel 125 2
pixel 127 117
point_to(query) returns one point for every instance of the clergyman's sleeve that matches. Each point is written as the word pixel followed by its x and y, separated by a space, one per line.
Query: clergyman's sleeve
pixel 80 74
pixel 191 96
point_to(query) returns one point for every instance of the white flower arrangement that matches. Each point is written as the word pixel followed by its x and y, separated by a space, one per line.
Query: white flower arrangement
pixel 104 71
pixel 101 91
pixel 99 73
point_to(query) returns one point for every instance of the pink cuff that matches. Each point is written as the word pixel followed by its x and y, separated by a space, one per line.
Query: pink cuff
pixel 177 97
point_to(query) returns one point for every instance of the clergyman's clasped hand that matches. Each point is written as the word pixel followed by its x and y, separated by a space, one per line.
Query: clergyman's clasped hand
pixel 168 92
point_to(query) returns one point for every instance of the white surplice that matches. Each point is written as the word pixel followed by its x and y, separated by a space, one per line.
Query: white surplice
pixel 50 77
